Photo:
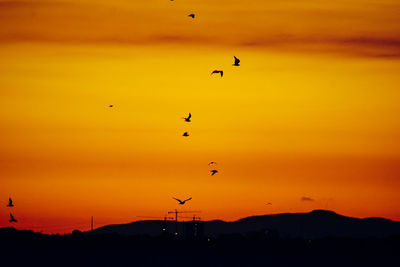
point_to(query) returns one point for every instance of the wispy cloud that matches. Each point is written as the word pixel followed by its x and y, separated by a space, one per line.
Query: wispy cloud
pixel 368 46
pixel 305 28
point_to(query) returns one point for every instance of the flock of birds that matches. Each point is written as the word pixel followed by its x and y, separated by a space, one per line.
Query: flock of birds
pixel 185 134
pixel 188 118
pixel 213 171
pixel 11 205
pixel 221 72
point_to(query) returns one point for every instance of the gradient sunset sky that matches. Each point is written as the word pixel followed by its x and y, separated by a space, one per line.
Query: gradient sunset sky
pixel 313 112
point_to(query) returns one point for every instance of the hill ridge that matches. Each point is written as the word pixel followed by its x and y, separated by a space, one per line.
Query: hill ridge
pixel 315 224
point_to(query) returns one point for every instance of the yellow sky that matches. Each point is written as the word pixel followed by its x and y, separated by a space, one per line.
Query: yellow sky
pixel 312 110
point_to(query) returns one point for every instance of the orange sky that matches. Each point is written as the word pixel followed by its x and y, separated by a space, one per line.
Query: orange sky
pixel 311 112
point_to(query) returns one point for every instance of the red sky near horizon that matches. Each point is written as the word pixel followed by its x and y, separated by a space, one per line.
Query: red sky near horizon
pixel 312 112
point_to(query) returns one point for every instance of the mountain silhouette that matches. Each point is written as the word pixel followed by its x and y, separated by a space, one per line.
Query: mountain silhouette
pixel 269 240
pixel 315 224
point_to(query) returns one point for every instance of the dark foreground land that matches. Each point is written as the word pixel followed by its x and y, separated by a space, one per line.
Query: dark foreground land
pixel 26 248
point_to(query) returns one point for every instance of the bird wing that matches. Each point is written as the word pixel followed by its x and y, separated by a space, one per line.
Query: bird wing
pixel 177 199
pixel 215 71
pixel 190 115
pixel 222 73
pixel 237 61
pixel 10 201
pixel 11 217
pixel 188 199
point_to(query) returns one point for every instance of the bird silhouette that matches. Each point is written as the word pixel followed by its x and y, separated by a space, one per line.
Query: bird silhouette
pixel 188 118
pixel 213 172
pixel 192 15
pixel 186 134
pixel 182 202
pixel 10 203
pixel 12 219
pixel 237 61
pixel 221 72
pixel 212 162
pixel 110 106
pixel 269 203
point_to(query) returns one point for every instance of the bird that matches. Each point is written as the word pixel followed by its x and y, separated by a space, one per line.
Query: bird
pixel 269 203
pixel 10 203
pixel 12 219
pixel 110 106
pixel 213 172
pixel 186 134
pixel 188 118
pixel 192 15
pixel 218 71
pixel 212 162
pixel 237 61
pixel 182 202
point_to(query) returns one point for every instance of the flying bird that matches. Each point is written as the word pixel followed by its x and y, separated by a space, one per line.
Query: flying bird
pixel 188 118
pixel 10 203
pixel 186 134
pixel 182 202
pixel 218 71
pixel 212 162
pixel 269 203
pixel 237 61
pixel 12 219
pixel 192 15
pixel 213 172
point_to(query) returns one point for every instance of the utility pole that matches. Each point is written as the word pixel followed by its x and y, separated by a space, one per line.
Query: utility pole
pixel 176 222
pixel 176 219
